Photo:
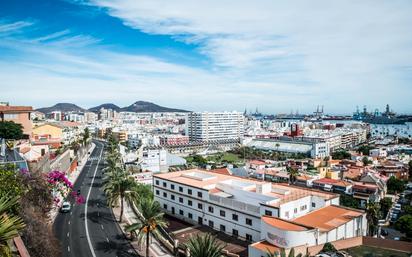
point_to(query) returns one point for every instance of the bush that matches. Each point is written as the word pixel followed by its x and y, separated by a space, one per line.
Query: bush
pixel 328 247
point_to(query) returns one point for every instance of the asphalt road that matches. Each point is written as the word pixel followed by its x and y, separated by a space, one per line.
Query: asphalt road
pixel 99 235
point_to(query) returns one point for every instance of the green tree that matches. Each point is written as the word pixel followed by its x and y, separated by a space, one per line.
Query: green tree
pixel 119 186
pixel 395 185
pixel 366 161
pixel 293 174
pixel 385 204
pixel 151 219
pixel 10 181
pixel 11 130
pixel 349 201
pixel 10 224
pixel 86 136
pixel 404 225
pixel 340 155
pixel 205 246
pixel 328 248
pixel 372 215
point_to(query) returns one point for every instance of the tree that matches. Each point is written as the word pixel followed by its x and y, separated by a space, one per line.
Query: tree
pixel 340 155
pixel 410 168
pixel 404 225
pixel 372 215
pixel 119 186
pixel 151 219
pixel 86 136
pixel 293 174
pixel 366 161
pixel 328 248
pixel 205 246
pixel 385 205
pixel 395 185
pixel 11 184
pixel 10 224
pixel 11 130
pixel 349 201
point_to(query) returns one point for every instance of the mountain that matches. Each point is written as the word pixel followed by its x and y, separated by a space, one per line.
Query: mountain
pixel 106 106
pixel 142 106
pixel 63 107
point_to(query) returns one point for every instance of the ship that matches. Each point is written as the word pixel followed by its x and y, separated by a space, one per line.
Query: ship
pixel 376 117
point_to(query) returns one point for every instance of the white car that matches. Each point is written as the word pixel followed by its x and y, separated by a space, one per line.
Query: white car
pixel 66 207
pixel 397 207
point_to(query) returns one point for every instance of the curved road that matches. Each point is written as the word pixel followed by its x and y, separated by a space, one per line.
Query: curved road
pixel 95 234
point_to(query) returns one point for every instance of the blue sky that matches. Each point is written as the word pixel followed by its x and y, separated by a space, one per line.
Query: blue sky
pixel 208 55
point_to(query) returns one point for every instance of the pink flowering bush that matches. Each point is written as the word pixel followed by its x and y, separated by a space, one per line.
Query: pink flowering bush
pixel 62 187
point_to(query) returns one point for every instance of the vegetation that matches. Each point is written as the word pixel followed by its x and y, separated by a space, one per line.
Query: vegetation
pixel 365 149
pixel 385 205
pixel 404 225
pixel 293 174
pixel 366 161
pixel 10 224
pixel 151 219
pixel 282 253
pixel 340 155
pixel 11 130
pixel 395 185
pixel 328 248
pixel 349 201
pixel 372 215
pixel 34 203
pixel 205 246
pixel 86 136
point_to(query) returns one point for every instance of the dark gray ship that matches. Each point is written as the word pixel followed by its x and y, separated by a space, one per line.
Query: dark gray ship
pixel 376 117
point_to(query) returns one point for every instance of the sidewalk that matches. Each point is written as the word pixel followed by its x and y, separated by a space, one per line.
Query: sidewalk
pixel 72 178
pixel 156 249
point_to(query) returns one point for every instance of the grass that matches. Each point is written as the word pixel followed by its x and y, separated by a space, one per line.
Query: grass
pixel 367 251
pixel 225 157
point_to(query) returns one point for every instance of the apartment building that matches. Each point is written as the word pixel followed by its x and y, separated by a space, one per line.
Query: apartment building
pixel 17 114
pixel 214 126
pixel 256 211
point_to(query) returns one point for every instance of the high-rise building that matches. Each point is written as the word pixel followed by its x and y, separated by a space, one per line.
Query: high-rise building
pixel 214 126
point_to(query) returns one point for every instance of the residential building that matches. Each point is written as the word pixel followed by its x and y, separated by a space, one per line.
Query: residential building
pixel 214 126
pixel 19 115
pixel 280 215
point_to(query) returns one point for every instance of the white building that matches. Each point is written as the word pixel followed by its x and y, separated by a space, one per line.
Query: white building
pixel 214 126
pixel 159 160
pixel 257 211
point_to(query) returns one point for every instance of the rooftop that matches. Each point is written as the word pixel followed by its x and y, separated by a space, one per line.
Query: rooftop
pixel 6 108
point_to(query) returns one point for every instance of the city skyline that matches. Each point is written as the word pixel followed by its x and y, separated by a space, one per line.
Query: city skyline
pixel 274 56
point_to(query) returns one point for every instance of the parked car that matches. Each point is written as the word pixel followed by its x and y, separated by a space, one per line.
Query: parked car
pixel 397 238
pixel 66 207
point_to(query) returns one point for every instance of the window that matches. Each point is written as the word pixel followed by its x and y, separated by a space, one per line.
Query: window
pixel 164 184
pixel 210 209
pixel 303 207
pixel 249 237
pixel 172 197
pixel 157 192
pixel 11 116
pixel 164 194
pixel 268 213
pixel 165 206
pixel 313 205
pixel 222 213
pixel 172 186
pixel 295 210
pixel 248 221
pixel 222 228
pixel 180 199
pixel 189 202
pixel 189 191
pixel 235 233
pixel 181 212
pixel 235 217
pixel 199 194
pixel 199 206
pixel 157 182
pixel 180 189
pixel 190 216
pixel 211 224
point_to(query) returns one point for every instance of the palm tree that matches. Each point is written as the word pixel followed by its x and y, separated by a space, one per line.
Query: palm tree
pixel 118 185
pixel 10 224
pixel 205 246
pixel 372 215
pixel 86 136
pixel 151 219
pixel 282 253
pixel 293 174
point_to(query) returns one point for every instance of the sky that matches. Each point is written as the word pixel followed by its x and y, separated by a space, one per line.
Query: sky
pixel 215 55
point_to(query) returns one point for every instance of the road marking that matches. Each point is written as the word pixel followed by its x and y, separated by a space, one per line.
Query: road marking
pixel 68 234
pixel 102 227
pixel 85 208
pixel 69 222
pixel 107 239
pixel 68 248
pixel 98 214
pixel 71 213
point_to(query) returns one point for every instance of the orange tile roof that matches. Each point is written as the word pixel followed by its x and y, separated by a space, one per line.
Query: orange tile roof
pixel 224 171
pixel 4 108
pixel 257 162
pixel 265 246
pixel 328 218
pixel 283 224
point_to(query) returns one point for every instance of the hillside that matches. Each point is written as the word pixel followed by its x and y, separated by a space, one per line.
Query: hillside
pixel 106 106
pixel 142 106
pixel 63 107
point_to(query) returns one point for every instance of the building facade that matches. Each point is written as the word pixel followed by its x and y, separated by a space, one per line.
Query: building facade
pixel 214 126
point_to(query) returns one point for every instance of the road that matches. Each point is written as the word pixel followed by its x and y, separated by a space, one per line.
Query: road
pixel 90 229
